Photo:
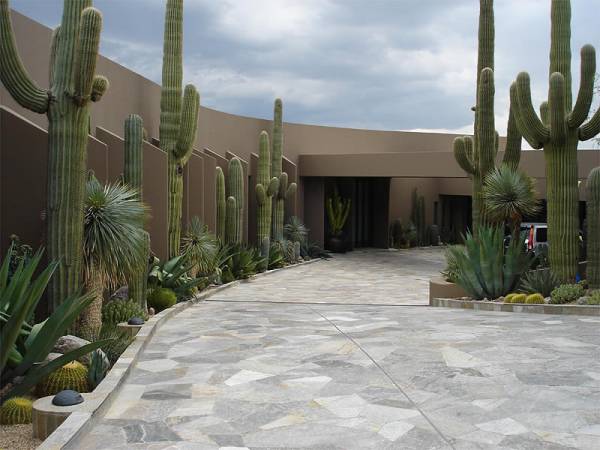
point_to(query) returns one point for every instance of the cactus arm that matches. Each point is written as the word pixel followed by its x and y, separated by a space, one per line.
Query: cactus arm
pixel 545 113
pixel 87 54
pixel 525 130
pixel 277 144
pixel 99 87
pixel 585 96
pixel 291 190
pixel 54 44
pixel 13 74
pixel 556 103
pixel 273 187
pixel 485 116
pixel 514 140
pixel 590 129
pixel 189 123
pixel 534 126
pixel 462 156
pixel 560 44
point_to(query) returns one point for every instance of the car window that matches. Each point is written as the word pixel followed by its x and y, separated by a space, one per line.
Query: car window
pixel 541 235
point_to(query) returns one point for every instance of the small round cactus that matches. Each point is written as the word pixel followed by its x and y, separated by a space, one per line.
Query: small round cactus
pixel 162 298
pixel 117 311
pixel 15 411
pixel 70 376
pixel 535 299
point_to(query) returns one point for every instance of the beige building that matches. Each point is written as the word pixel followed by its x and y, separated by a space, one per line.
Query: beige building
pixel 378 169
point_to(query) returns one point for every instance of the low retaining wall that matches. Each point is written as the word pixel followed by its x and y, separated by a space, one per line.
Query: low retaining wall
pixel 582 310
pixel 440 288
pixel 68 435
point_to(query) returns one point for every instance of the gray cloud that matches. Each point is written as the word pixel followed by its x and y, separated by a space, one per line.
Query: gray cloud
pixel 383 64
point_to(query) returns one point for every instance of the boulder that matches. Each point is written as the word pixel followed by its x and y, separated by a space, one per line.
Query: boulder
pixel 66 344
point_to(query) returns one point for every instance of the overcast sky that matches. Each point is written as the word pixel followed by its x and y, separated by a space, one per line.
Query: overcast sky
pixel 380 64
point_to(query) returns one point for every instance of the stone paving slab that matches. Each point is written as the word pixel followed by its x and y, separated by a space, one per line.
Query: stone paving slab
pixel 260 375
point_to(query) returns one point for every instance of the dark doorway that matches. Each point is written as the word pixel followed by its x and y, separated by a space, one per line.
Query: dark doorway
pixel 456 217
pixel 367 224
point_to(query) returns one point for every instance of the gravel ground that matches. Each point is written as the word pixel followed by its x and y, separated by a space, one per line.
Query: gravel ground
pixel 17 437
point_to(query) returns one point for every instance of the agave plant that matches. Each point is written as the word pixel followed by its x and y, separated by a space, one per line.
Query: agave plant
pixel 199 246
pixel 23 346
pixel 541 281
pixel 295 230
pixel 509 195
pixel 173 274
pixel 113 245
pixel 276 257
pixel 242 263
pixel 484 269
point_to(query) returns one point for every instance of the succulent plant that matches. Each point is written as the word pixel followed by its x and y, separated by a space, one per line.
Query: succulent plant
pixel 234 229
pixel 162 298
pixel 16 411
pixel 221 204
pixel 535 299
pixel 117 311
pixel 98 368
pixel 566 293
pixel 71 376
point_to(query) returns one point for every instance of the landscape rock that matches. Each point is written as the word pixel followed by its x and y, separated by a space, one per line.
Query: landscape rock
pixel 67 398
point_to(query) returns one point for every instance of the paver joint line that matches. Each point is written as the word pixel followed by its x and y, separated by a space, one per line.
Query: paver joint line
pixel 387 375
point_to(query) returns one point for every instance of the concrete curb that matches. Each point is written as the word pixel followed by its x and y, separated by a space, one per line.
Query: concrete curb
pixel 69 433
pixel 581 310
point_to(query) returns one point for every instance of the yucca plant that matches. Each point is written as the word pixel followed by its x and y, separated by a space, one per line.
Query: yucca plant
pixel 508 196
pixel 113 245
pixel 295 230
pixel 276 257
pixel 484 269
pixel 242 263
pixel 199 246
pixel 24 346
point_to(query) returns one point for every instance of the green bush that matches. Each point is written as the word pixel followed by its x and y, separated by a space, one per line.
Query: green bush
pixel 566 293
pixel 535 299
pixel 117 311
pixel 594 298
pixel 541 281
pixel 450 273
pixel 162 298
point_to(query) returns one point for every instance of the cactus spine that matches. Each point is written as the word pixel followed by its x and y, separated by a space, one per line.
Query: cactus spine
pixel 285 190
pixel 235 189
pixel 558 132
pixel 73 85
pixel 231 221
pixel 221 204
pixel 593 237
pixel 265 188
pixel 477 155
pixel 133 176
pixel 178 122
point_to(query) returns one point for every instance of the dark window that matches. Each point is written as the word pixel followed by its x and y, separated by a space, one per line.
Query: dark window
pixel 542 235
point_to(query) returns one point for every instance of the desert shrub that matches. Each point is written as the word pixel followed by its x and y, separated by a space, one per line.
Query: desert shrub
pixel 162 298
pixel 450 273
pixel 541 281
pixel 594 298
pixel 566 293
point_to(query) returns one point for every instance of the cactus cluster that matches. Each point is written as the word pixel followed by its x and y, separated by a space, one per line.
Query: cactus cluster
pixel 178 119
pixel 476 155
pixel 266 188
pixel 117 311
pixel 16 411
pixel 73 85
pixel 70 376
pixel 558 130
pixel 593 231
pixel 285 189
pixel 133 176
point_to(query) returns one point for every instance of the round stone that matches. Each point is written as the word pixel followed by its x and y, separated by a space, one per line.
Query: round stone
pixel 67 398
pixel 135 321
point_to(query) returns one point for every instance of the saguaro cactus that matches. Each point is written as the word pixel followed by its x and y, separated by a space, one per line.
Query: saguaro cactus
pixel 73 85
pixel 265 188
pixel 221 204
pixel 178 123
pixel 593 237
pixel 133 175
pixel 477 155
pixel 232 222
pixel 235 189
pixel 558 132
pixel 285 190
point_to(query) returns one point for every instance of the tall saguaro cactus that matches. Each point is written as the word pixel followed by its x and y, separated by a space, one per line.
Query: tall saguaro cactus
pixel 73 86
pixel 235 189
pixel 178 122
pixel 265 188
pixel 221 203
pixel 558 132
pixel 133 175
pixel 285 190
pixel 232 222
pixel 593 238
pixel 477 155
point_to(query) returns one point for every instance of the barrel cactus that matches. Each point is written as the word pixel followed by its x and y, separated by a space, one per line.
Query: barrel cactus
pixel 558 130
pixel 593 234
pixel 133 175
pixel 16 411
pixel 265 188
pixel 162 298
pixel 73 86
pixel 221 203
pixel 286 189
pixel 71 376
pixel 117 311
pixel 476 155
pixel 178 121
pixel 235 189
